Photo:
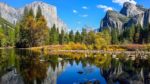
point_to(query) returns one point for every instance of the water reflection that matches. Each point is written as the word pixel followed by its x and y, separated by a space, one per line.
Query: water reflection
pixel 27 67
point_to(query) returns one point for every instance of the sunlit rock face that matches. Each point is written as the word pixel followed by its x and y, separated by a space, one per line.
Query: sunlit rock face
pixel 130 14
pixel 48 11
pixel 8 13
pixel 142 19
pixel 113 19
pixel 131 10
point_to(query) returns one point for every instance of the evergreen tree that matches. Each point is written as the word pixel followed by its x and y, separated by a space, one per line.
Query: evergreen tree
pixel 31 13
pixel 39 12
pixel 62 37
pixel 137 33
pixel 26 12
pixel 83 35
pixel 128 34
pixel 71 36
pixel 114 34
pixel 78 37
pixel 66 38
pixel 147 33
pixel 54 35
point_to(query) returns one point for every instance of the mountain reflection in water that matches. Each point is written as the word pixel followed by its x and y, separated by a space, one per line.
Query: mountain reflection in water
pixel 26 67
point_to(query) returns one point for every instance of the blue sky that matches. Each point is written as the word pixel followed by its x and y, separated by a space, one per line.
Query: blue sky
pixel 78 13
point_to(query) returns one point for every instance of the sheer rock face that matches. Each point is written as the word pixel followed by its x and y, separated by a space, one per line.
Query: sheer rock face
pixel 9 13
pixel 48 11
pixel 113 19
pixel 129 14
pixel 131 10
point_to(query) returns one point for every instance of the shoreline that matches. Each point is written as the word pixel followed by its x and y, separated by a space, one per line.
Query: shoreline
pixel 101 51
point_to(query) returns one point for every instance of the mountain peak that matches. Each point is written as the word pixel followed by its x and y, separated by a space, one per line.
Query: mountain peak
pixel 13 15
pixel 35 3
pixel 131 10
pixel 130 14
pixel 126 4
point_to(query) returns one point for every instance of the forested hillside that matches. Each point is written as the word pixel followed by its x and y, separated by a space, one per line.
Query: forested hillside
pixel 7 33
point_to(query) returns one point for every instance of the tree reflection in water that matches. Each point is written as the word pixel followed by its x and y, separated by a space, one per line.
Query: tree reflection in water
pixel 32 69
pixel 26 67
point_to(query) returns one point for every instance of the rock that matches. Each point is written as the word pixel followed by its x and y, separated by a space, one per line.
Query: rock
pixel 113 19
pixel 9 13
pixel 129 15
pixel 142 19
pixel 13 15
pixel 131 10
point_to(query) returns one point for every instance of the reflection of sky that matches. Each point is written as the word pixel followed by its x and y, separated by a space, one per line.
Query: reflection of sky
pixel 71 76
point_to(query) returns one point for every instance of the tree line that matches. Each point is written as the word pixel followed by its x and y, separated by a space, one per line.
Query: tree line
pixel 136 34
pixel 32 31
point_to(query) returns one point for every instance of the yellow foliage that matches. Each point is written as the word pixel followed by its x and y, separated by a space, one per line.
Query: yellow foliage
pixel 75 46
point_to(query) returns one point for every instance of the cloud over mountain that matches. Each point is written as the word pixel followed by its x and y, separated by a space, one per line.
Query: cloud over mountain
pixel 121 2
pixel 106 8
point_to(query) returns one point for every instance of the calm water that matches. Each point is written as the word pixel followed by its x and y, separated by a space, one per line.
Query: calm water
pixel 26 67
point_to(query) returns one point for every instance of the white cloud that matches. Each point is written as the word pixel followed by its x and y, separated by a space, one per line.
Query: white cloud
pixel 85 15
pixel 84 7
pixel 120 2
pixel 106 8
pixel 75 11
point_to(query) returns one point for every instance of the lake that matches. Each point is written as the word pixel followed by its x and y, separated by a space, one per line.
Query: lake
pixel 27 67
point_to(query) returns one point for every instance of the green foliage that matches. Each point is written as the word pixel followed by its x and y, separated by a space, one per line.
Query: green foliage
pixel 7 33
pixel 102 39
pixel 137 34
pixel 71 36
pixel 128 34
pixel 115 35
pixel 39 13
pixel 31 13
pixel 146 34
pixel 78 37
pixel 62 37
pixel 54 35
pixel 83 35
pixel 90 38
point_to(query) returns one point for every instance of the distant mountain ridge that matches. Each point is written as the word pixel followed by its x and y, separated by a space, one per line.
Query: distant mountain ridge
pixel 14 15
pixel 129 14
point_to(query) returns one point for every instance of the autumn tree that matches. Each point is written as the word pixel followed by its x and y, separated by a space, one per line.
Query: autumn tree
pixel 33 31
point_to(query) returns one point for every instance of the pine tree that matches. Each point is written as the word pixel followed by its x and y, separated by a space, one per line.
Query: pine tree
pixel 31 13
pixel 54 35
pixel 78 37
pixel 26 12
pixel 71 36
pixel 66 38
pixel 62 37
pixel 137 34
pixel 114 34
pixel 83 35
pixel 39 12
